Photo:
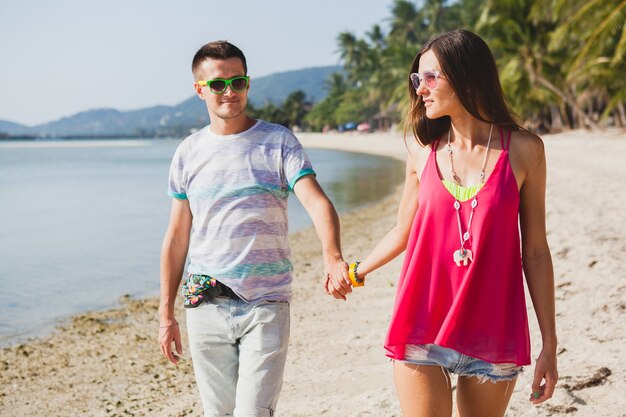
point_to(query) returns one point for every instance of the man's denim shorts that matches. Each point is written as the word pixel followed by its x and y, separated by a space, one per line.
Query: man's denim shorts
pixel 459 364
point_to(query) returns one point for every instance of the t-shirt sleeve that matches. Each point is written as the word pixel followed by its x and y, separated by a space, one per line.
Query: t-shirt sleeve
pixel 296 163
pixel 177 184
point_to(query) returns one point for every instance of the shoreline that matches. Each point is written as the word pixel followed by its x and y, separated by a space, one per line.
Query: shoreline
pixel 108 363
pixel 379 143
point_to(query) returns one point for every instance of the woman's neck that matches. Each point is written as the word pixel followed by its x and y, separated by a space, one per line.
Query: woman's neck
pixel 468 132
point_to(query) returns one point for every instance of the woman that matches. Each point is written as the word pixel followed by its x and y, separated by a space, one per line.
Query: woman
pixel 460 305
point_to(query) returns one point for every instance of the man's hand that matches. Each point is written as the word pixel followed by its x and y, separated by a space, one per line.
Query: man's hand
pixel 168 333
pixel 337 283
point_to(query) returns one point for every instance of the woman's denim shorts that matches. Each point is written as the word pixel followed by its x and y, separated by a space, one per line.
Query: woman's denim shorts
pixel 459 364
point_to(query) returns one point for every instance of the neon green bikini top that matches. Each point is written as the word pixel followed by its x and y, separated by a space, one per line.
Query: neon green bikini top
pixel 462 193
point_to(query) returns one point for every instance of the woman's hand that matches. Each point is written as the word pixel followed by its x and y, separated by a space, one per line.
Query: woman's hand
pixel 546 372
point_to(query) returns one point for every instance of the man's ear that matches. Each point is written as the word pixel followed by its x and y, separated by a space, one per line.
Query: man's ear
pixel 199 92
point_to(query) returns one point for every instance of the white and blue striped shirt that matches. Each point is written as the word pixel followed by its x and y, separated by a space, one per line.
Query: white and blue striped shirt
pixel 237 187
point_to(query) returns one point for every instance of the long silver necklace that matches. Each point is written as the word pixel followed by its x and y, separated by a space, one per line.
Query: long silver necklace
pixel 463 256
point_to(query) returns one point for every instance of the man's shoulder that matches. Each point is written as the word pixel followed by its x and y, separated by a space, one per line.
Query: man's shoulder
pixel 187 144
pixel 195 136
pixel 274 130
pixel 279 136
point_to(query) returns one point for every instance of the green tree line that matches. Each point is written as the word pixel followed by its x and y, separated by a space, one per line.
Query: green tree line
pixel 561 62
pixel 290 113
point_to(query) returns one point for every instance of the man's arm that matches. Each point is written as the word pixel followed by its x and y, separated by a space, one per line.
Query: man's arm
pixel 326 222
pixel 173 255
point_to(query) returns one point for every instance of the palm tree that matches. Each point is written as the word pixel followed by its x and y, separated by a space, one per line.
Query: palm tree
pixel 335 84
pixel 355 54
pixel 596 28
pixel 323 114
pixel 560 61
pixel 295 108
pixel 602 23
pixel 377 38
pixel 405 23
pixel 412 27
pixel 532 73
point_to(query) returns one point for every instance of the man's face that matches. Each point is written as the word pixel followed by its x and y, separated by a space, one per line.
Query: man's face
pixel 230 104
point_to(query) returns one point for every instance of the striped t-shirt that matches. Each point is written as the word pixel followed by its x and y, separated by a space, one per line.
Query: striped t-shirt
pixel 237 187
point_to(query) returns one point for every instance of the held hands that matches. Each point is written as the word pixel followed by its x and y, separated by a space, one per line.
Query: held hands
pixel 336 281
pixel 168 333
pixel 340 284
pixel 545 370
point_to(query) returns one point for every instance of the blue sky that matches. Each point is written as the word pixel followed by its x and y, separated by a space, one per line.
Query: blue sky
pixel 65 56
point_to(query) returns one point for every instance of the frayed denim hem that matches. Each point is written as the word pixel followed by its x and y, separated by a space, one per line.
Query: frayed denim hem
pixel 494 377
pixel 459 364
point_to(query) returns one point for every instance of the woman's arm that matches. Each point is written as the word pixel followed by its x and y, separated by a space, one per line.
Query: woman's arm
pixel 537 261
pixel 394 243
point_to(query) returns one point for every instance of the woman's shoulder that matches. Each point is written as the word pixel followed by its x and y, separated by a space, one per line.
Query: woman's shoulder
pixel 526 146
pixel 526 153
pixel 416 147
pixel 417 154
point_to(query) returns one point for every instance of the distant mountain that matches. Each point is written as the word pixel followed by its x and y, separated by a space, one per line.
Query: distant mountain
pixel 10 128
pixel 276 87
pixel 106 122
pixel 175 120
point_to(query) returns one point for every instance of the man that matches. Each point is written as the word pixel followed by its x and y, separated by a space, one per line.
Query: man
pixel 230 183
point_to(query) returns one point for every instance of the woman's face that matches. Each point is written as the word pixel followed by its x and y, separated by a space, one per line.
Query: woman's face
pixel 440 100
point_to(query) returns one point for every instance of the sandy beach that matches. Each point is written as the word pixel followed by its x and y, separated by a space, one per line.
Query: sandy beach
pixel 109 364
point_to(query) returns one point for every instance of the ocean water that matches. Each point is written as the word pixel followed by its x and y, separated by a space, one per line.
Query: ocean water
pixel 81 222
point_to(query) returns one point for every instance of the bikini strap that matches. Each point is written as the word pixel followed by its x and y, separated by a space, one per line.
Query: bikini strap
pixel 508 140
pixel 435 145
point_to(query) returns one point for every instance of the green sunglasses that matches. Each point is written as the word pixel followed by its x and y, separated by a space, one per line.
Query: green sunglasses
pixel 219 85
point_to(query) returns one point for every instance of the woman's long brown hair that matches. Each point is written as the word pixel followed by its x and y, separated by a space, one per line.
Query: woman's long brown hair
pixel 468 65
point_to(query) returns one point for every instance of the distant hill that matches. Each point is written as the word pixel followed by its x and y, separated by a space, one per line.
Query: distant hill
pixel 10 128
pixel 276 87
pixel 174 120
pixel 106 121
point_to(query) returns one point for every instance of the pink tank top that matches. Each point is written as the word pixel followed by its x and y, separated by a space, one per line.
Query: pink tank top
pixel 478 310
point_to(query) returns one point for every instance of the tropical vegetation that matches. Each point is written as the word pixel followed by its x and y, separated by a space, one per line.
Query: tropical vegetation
pixel 561 62
pixel 290 113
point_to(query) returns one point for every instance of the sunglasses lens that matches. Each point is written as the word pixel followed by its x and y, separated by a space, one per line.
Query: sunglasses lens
pixel 217 86
pixel 430 79
pixel 239 84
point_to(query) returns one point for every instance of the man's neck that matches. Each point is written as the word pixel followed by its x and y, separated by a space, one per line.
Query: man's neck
pixel 231 126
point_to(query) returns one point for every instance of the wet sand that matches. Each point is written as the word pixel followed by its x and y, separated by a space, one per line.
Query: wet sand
pixel 108 363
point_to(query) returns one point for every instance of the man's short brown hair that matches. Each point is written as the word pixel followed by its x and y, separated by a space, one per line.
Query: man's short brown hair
pixel 218 50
